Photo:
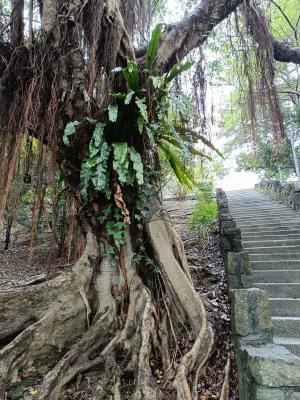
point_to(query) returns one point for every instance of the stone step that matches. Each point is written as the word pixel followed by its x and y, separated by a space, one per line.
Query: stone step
pixel 292 343
pixel 264 216
pixel 262 233
pixel 275 224
pixel 272 223
pixel 279 290
pixel 275 265
pixel 261 206
pixel 271 276
pixel 269 210
pixel 279 256
pixel 269 229
pixel 284 307
pixel 270 236
pixel 284 250
pixel 282 243
pixel 268 207
pixel 286 326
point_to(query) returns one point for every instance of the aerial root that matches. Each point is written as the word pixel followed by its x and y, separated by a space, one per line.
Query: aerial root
pixel 193 364
pixel 79 359
pixel 186 306
pixel 225 387
pixel 47 316
pixel 146 387
pixel 115 349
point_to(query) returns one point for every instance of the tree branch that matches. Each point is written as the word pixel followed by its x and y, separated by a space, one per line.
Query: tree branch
pixel 285 53
pixel 285 17
pixel 181 38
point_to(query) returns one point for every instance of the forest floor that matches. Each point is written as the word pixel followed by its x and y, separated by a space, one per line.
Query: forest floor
pixel 209 276
pixel 14 267
pixel 210 281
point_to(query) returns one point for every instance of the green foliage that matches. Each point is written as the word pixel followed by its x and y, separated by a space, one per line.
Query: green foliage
pixel 94 168
pixel 112 113
pixel 281 27
pixel 181 172
pixel 150 111
pixel 121 163
pixel 271 160
pixel 131 75
pixel 141 103
pixel 163 131
pixel 112 219
pixel 128 98
pixel 201 219
pixel 128 164
pixel 177 70
pixel 70 129
pixel 203 215
pixel 137 165
pixel 153 45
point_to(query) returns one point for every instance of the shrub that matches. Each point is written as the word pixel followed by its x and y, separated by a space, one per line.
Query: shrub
pixel 201 219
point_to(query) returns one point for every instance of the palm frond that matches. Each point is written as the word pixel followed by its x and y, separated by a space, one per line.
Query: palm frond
pixel 180 170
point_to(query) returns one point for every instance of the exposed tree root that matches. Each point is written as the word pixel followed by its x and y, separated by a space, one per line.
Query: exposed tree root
pixel 80 307
pixel 225 387
pixel 169 253
pixel 79 359
pixel 59 310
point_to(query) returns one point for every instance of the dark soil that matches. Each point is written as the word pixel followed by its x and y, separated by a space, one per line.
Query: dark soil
pixel 14 266
pixel 207 268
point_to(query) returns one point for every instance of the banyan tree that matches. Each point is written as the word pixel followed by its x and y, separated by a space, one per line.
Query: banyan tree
pixel 73 78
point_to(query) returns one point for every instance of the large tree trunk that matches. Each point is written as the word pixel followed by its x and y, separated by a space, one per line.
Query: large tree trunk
pixel 113 315
pixel 79 311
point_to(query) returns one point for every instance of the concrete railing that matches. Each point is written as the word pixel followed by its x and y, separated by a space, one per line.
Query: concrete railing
pixel 285 193
pixel 266 371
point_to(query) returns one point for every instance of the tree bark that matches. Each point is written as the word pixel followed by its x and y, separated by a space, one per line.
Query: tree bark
pixel 17 24
pixel 109 314
pixel 286 53
pixel 8 232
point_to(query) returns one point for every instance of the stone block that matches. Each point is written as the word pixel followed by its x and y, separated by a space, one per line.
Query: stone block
pixel 271 365
pixel 232 263
pixel 245 265
pixel 268 394
pixel 294 396
pixel 262 311
pixel 241 320
pixel 246 281
pixel 250 312
pixel 233 281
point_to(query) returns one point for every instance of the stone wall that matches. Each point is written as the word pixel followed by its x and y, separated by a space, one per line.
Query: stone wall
pixel 266 371
pixel 286 193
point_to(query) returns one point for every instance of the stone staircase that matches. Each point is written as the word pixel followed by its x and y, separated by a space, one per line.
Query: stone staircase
pixel 271 235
